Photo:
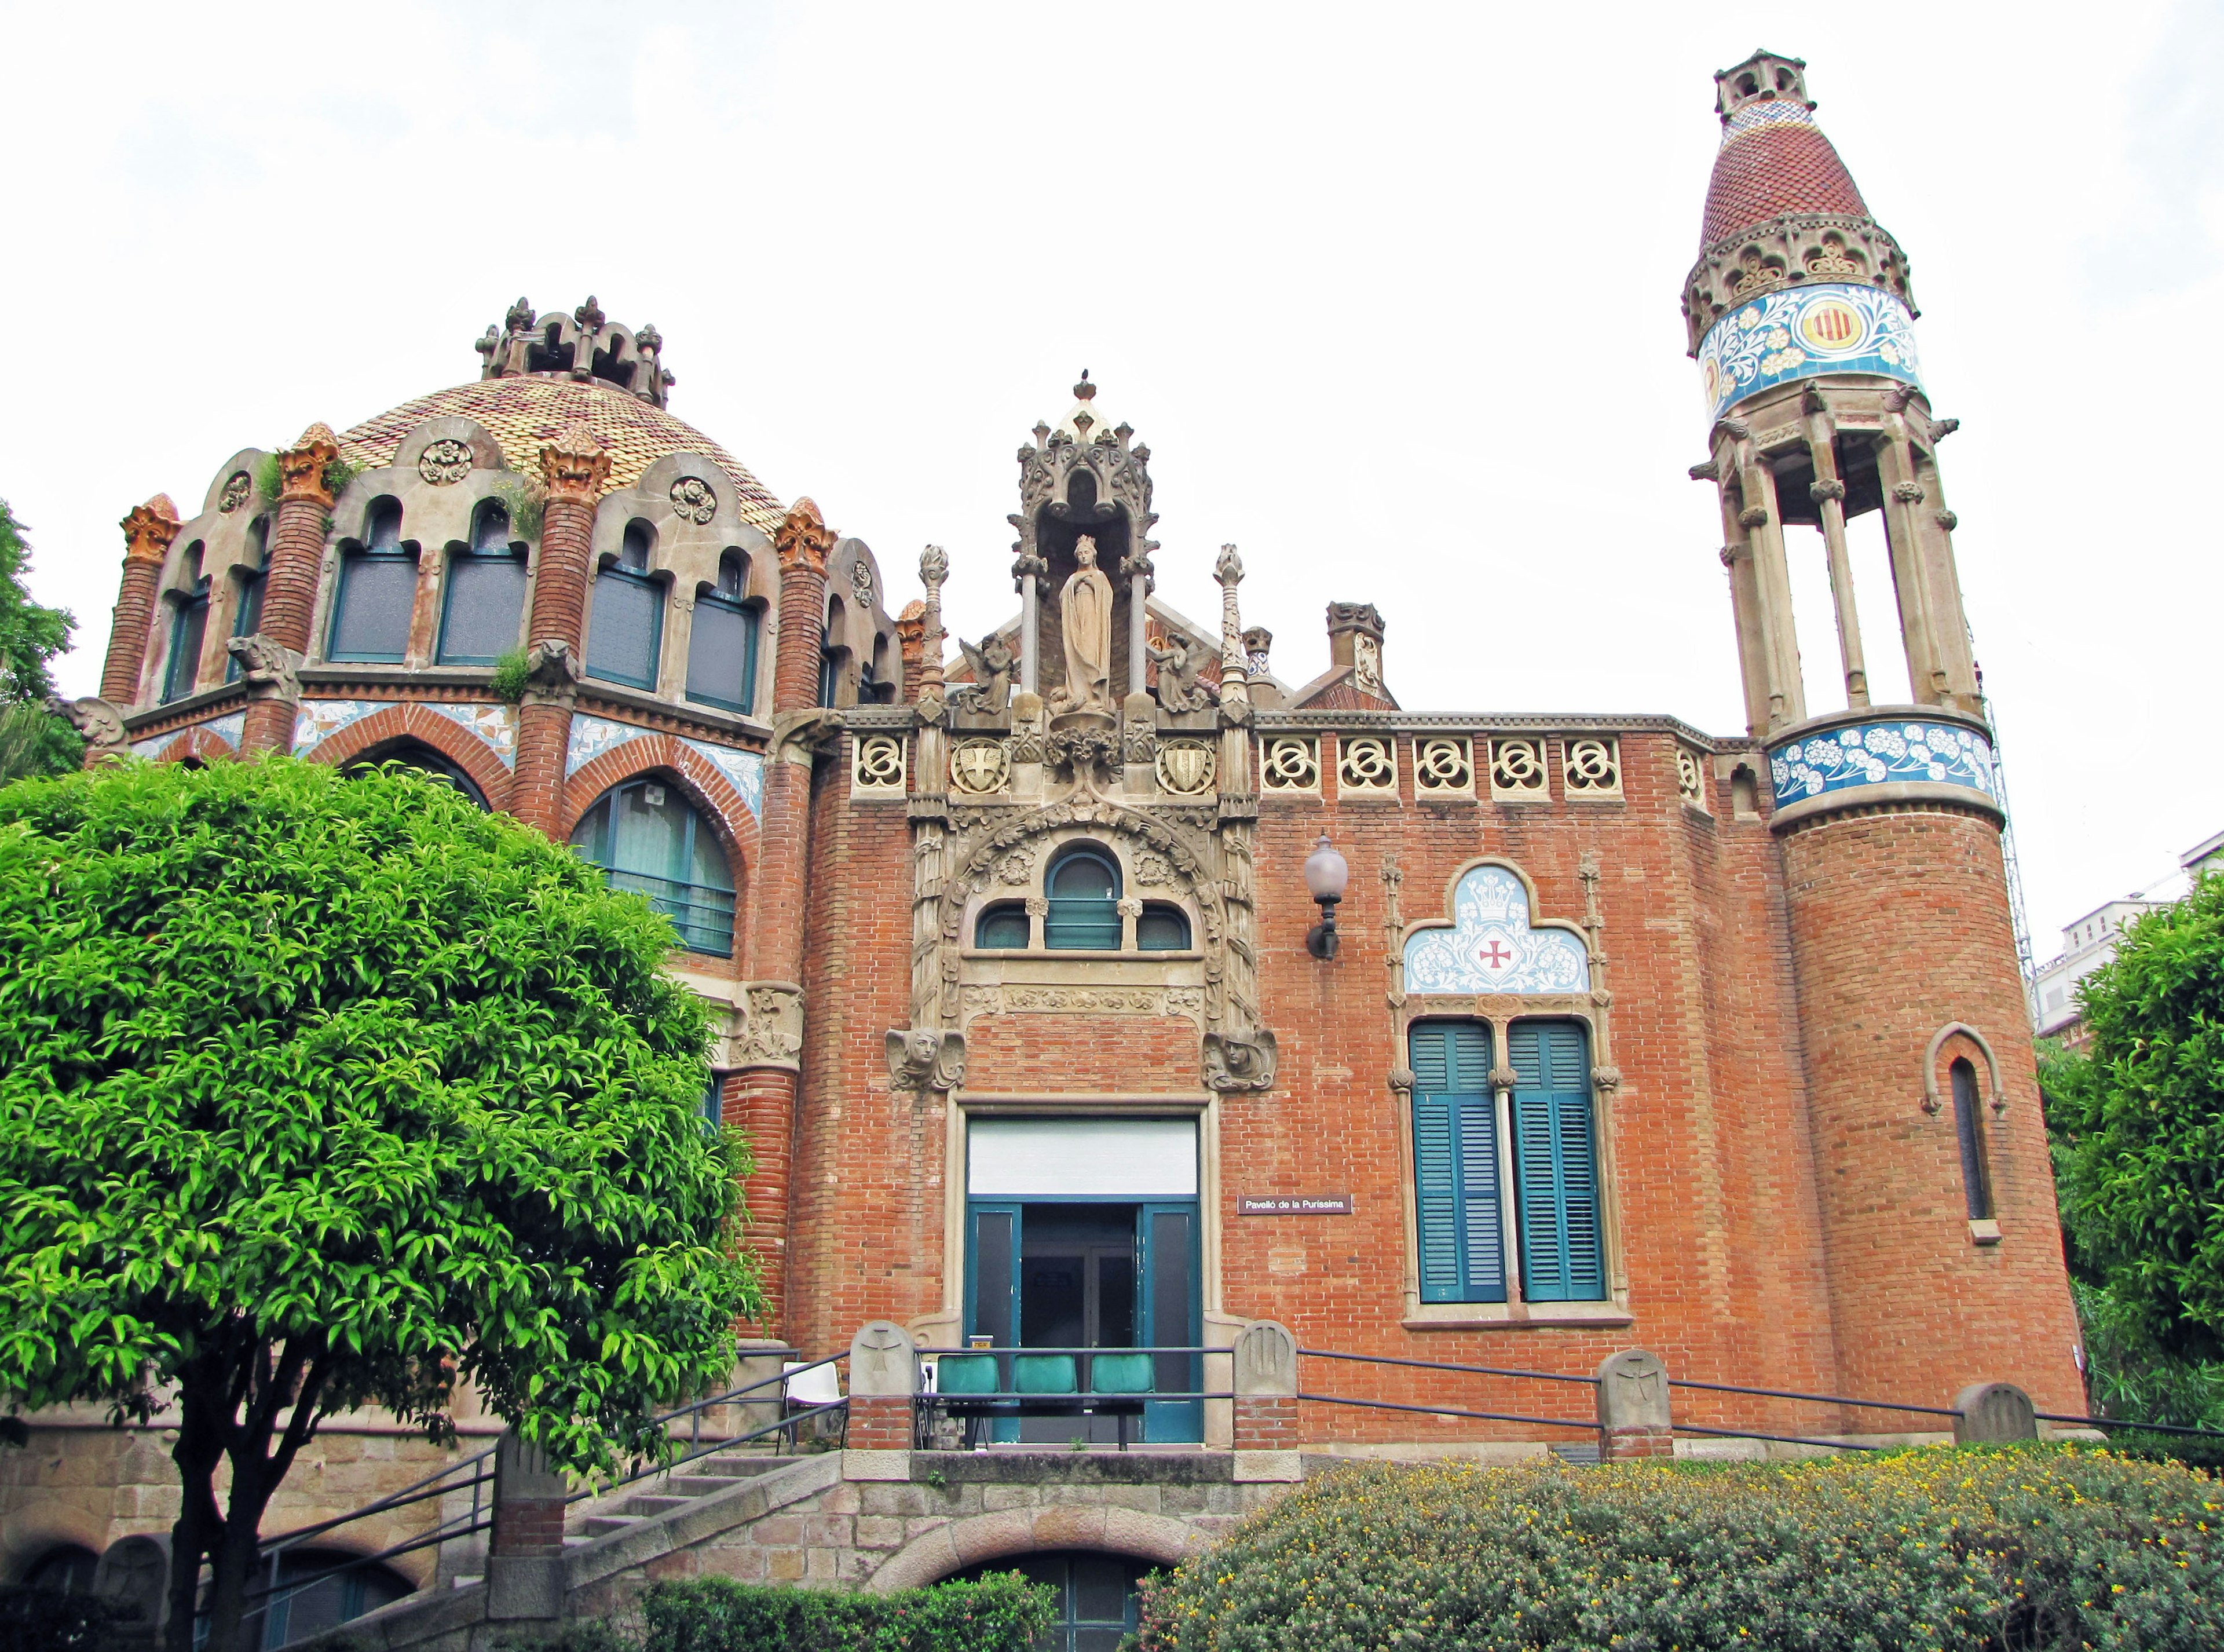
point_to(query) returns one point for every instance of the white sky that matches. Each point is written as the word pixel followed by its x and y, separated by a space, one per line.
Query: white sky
pixel 1391 291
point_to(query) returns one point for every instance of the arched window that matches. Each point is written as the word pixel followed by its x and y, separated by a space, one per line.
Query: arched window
pixel 1001 927
pixel 415 754
pixel 1095 1595
pixel 722 646
pixel 1162 928
pixel 627 627
pixel 833 658
pixel 1084 895
pixel 483 611
pixel 66 1569
pixel 1969 1127
pixel 314 1590
pixel 378 589
pixel 188 627
pixel 252 571
pixel 649 838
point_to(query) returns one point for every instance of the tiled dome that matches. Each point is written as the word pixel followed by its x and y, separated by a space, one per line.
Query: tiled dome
pixel 526 412
pixel 1779 162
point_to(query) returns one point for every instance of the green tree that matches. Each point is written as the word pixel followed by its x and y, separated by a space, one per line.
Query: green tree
pixel 319 1091
pixel 2138 1128
pixel 33 740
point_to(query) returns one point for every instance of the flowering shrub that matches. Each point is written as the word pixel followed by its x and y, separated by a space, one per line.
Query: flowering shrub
pixel 2011 1549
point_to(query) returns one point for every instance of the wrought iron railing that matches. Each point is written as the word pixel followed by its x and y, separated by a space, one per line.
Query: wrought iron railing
pixel 702 912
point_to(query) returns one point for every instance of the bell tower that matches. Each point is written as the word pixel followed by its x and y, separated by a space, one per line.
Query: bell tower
pixel 1943 1250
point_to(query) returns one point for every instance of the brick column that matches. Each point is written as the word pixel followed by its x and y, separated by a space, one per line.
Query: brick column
pixel 574 468
pixel 147 531
pixel 290 591
pixel 525 1557
pixel 883 1383
pixel 780 877
pixel 1633 1407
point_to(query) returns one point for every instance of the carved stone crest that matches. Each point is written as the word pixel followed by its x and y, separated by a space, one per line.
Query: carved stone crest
pixel 445 462
pixel 1185 767
pixel 922 1058
pixel 694 498
pixel 271 669
pixel 1231 1063
pixel 236 487
pixel 861 582
pixel 979 767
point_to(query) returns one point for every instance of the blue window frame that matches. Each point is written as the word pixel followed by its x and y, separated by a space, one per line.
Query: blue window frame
pixel 626 631
pixel 1556 1164
pixel 189 628
pixel 1455 1163
pixel 1001 927
pixel 254 573
pixel 648 837
pixel 1162 928
pixel 378 593
pixel 483 611
pixel 1085 902
pixel 722 645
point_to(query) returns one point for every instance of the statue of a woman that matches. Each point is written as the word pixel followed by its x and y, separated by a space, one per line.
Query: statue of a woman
pixel 1085 605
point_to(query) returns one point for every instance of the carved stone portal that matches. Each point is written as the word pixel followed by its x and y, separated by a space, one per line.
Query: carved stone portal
pixel 922 1058
pixel 1231 1063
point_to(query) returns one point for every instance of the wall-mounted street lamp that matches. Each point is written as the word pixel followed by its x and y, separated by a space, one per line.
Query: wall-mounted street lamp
pixel 1326 877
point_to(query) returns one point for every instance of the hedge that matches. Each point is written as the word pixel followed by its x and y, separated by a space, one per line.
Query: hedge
pixel 1002 1612
pixel 2007 1550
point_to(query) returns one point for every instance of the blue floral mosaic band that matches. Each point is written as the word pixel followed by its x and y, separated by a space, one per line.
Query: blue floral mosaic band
pixel 1804 331
pixel 1880 753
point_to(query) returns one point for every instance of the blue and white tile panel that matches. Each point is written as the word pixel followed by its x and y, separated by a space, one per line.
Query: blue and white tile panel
pixel 1493 947
pixel 228 728
pixel 493 722
pixel 316 721
pixel 593 736
pixel 1878 753
pixel 1804 331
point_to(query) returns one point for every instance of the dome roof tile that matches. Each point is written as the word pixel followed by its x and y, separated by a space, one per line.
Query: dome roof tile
pixel 1770 168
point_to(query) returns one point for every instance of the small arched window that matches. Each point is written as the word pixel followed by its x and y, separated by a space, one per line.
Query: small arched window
pixel 625 629
pixel 252 572
pixel 1969 1127
pixel 482 614
pixel 67 1569
pixel 189 628
pixel 722 645
pixel 378 590
pixel 1085 902
pixel 312 1589
pixel 1001 927
pixel 414 754
pixel 648 837
pixel 1163 928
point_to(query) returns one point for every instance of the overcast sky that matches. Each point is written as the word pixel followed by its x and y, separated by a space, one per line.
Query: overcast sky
pixel 1391 292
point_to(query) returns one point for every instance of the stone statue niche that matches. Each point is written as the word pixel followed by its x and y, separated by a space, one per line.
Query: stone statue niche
pixel 1059 527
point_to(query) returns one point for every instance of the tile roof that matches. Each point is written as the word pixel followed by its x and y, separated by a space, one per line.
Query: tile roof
pixel 1768 169
pixel 526 413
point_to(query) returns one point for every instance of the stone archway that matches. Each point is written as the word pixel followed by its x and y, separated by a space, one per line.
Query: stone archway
pixel 1110 1530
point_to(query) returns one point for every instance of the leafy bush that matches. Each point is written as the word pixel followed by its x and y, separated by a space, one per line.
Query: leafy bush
pixel 46 1620
pixel 1003 1612
pixel 2005 1549
pixel 512 671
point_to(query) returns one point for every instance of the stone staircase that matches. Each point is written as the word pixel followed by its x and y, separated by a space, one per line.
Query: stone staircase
pixel 659 1495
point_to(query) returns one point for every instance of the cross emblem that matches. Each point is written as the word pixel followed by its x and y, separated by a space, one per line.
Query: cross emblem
pixel 1494 957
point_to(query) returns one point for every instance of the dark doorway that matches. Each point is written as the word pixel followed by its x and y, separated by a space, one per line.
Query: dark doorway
pixel 1095 1596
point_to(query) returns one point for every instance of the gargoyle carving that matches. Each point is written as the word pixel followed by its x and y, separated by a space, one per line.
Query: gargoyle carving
pixel 552 673
pixel 923 1059
pixel 100 723
pixel 1233 1063
pixel 271 669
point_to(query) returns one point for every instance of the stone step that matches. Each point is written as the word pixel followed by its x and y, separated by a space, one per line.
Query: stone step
pixel 648 1505
pixel 739 1467
pixel 699 1485
pixel 466 1581
pixel 604 1525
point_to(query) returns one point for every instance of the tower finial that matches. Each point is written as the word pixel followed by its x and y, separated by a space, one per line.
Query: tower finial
pixel 1085 390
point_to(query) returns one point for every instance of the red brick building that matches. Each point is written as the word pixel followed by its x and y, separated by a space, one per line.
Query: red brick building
pixel 1630 1035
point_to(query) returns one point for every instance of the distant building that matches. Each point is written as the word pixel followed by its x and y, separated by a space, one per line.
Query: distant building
pixel 2091 941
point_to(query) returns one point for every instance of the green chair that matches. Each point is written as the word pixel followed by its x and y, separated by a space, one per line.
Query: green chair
pixel 1120 1374
pixel 956 1377
pixel 1042 1376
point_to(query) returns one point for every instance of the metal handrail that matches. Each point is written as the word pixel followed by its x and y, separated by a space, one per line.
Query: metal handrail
pixel 1442 1365
pixel 2119 1422
pixel 1589 1426
pixel 1819 1399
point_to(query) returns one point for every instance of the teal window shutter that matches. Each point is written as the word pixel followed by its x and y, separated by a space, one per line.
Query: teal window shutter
pixel 1556 1164
pixel 1456 1164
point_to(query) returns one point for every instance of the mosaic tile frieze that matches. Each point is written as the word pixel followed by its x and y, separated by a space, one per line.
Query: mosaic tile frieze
pixel 1880 753
pixel 744 770
pixel 593 736
pixel 1825 328
pixel 316 721
pixel 495 725
pixel 230 728
pixel 1491 946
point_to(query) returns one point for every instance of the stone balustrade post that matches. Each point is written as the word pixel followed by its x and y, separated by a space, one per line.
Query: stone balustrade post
pixel 1633 1407
pixel 1266 1387
pixel 147 531
pixel 883 1387
pixel 525 1558
pixel 1992 1413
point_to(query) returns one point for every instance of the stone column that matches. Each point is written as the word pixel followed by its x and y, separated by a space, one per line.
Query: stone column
pixel 1763 527
pixel 525 1558
pixel 1266 1387
pixel 1027 575
pixel 1137 566
pixel 933 569
pixel 1828 494
pixel 573 468
pixel 781 880
pixel 1903 498
pixel 883 1383
pixel 147 531
pixel 1633 1407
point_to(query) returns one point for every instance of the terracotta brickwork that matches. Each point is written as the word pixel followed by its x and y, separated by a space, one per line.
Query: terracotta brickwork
pixel 1046 1055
